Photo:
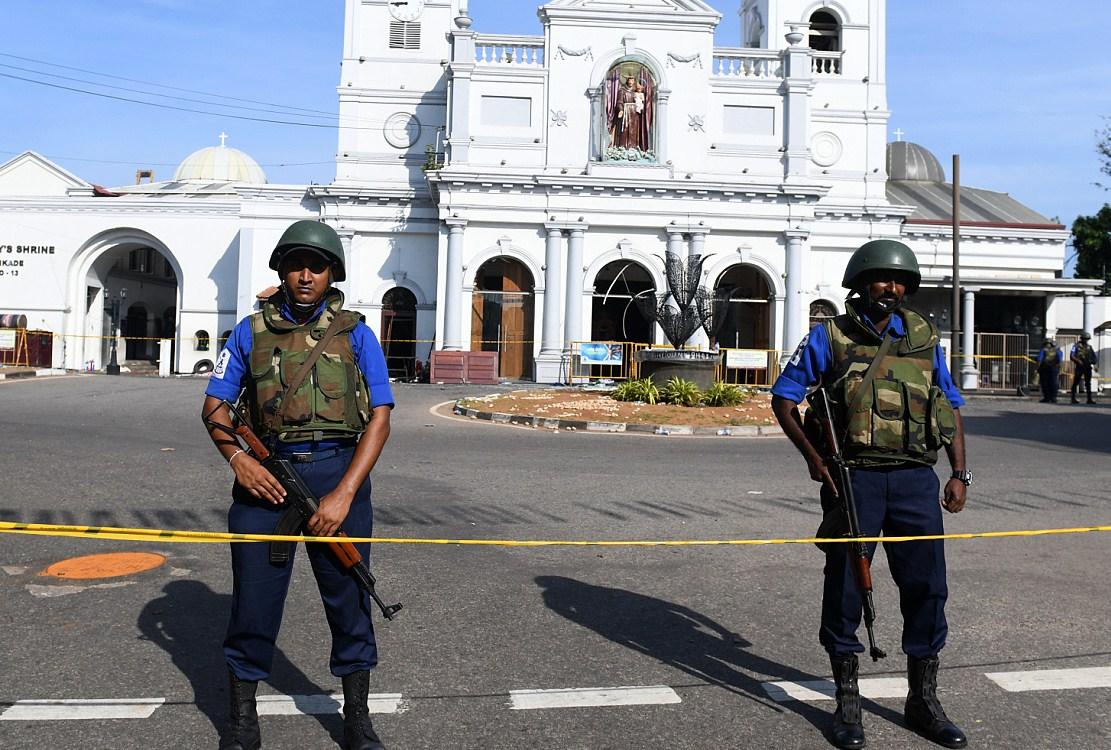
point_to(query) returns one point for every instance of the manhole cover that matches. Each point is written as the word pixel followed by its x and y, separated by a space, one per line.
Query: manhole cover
pixel 109 565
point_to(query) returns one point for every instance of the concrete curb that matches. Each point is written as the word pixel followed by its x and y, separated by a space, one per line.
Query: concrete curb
pixel 578 425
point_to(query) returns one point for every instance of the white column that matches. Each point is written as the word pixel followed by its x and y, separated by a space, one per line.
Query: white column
pixel 453 286
pixel 662 97
pixel 1089 313
pixel 460 71
pixel 970 376
pixel 573 315
pixel 550 359
pixel 794 316
pixel 550 343
pixel 796 89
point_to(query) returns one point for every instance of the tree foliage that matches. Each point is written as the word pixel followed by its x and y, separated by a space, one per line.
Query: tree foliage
pixel 1091 238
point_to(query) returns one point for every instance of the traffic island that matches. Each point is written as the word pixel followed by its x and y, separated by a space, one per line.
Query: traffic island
pixel 576 410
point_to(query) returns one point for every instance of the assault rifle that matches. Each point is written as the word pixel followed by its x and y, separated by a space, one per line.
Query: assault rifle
pixel 858 551
pixel 302 505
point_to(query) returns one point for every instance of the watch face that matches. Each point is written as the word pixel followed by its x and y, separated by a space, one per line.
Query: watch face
pixel 406 10
pixel 402 130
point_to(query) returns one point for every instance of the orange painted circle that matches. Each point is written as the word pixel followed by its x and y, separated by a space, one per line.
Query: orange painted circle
pixel 109 565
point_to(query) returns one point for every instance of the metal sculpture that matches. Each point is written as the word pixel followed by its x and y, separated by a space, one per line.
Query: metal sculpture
pixel 686 306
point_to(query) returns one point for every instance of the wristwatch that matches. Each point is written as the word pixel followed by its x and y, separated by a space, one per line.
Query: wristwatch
pixel 964 476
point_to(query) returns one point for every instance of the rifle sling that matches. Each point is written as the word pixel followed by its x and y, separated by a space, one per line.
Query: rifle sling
pixel 866 382
pixel 303 371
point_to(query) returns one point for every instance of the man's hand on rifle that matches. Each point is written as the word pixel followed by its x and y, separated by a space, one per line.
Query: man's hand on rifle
pixel 819 472
pixel 251 475
pixel 331 514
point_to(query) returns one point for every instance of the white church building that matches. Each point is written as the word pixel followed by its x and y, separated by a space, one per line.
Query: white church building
pixel 516 193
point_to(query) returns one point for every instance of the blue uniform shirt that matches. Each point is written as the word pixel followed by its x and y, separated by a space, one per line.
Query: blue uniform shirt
pixel 229 378
pixel 813 360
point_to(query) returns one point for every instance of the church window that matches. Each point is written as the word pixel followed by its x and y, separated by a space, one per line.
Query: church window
pixel 629 112
pixel 825 32
pixel 404 34
pixel 201 341
pixel 820 311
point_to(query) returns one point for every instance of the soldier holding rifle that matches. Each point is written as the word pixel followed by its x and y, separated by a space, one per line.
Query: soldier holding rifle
pixel 894 405
pixel 315 386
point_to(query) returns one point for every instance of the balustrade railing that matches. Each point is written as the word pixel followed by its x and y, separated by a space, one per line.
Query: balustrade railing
pixel 745 63
pixel 826 63
pixel 520 51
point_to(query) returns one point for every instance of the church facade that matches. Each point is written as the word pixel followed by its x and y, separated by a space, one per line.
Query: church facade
pixel 518 194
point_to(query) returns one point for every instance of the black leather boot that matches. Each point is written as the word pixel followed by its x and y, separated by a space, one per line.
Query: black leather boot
pixel 242 731
pixel 358 733
pixel 923 710
pixel 847 731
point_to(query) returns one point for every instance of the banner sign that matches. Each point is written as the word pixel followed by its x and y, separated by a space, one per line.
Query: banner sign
pixel 7 339
pixel 746 359
pixel 591 353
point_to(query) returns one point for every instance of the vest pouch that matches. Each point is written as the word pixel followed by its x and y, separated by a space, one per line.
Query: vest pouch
pixel 918 416
pixel 888 427
pixel 299 409
pixel 330 376
pixel 943 419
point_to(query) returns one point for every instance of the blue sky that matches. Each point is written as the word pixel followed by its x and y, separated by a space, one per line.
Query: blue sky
pixel 1019 93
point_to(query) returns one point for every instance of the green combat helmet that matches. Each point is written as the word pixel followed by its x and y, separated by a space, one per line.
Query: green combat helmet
pixel 315 235
pixel 885 255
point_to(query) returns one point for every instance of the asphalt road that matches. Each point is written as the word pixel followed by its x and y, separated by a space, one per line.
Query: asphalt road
pixel 710 624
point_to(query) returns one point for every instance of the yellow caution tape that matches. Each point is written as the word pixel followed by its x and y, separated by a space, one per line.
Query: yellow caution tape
pixel 202 537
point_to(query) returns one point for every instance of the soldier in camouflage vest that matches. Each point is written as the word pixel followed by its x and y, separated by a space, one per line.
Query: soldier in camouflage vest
pixel 892 432
pixel 333 427
pixel 1083 358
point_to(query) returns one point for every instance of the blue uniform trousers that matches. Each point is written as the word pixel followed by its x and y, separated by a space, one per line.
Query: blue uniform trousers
pixel 260 587
pixel 898 502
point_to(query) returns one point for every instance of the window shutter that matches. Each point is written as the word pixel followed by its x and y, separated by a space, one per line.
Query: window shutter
pixel 404 35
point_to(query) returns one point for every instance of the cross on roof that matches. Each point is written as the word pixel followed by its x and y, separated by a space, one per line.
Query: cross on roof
pixel 899 134
pixel 223 137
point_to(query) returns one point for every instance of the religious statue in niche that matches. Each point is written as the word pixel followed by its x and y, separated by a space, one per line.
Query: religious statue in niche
pixel 630 98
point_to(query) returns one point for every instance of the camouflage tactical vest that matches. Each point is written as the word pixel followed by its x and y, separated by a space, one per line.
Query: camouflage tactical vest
pixel 1050 357
pixel 1085 354
pixel 332 401
pixel 903 417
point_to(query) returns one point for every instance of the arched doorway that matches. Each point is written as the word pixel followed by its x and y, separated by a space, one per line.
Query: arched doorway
pixel 502 315
pixel 615 316
pixel 125 270
pixel 747 297
pixel 821 310
pixel 399 331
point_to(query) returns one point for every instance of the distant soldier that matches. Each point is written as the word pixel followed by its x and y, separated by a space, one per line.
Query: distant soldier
pixel 892 428
pixel 1083 358
pixel 333 427
pixel 1049 368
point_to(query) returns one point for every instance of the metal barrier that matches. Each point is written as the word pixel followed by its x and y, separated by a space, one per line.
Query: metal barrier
pixel 757 367
pixel 1003 361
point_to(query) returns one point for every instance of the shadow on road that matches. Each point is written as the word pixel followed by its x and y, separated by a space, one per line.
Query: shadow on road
pixel 1080 427
pixel 188 622
pixel 685 639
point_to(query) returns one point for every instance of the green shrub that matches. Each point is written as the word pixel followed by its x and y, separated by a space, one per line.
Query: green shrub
pixel 643 390
pixel 726 394
pixel 681 393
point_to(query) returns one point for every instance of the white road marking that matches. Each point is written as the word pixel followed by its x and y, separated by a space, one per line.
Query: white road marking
pixel 824 690
pixel 1052 679
pixel 13 570
pixel 61 710
pixel 520 700
pixel 290 705
pixel 67 589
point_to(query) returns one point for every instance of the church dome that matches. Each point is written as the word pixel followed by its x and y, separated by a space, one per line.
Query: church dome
pixel 909 161
pixel 220 164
